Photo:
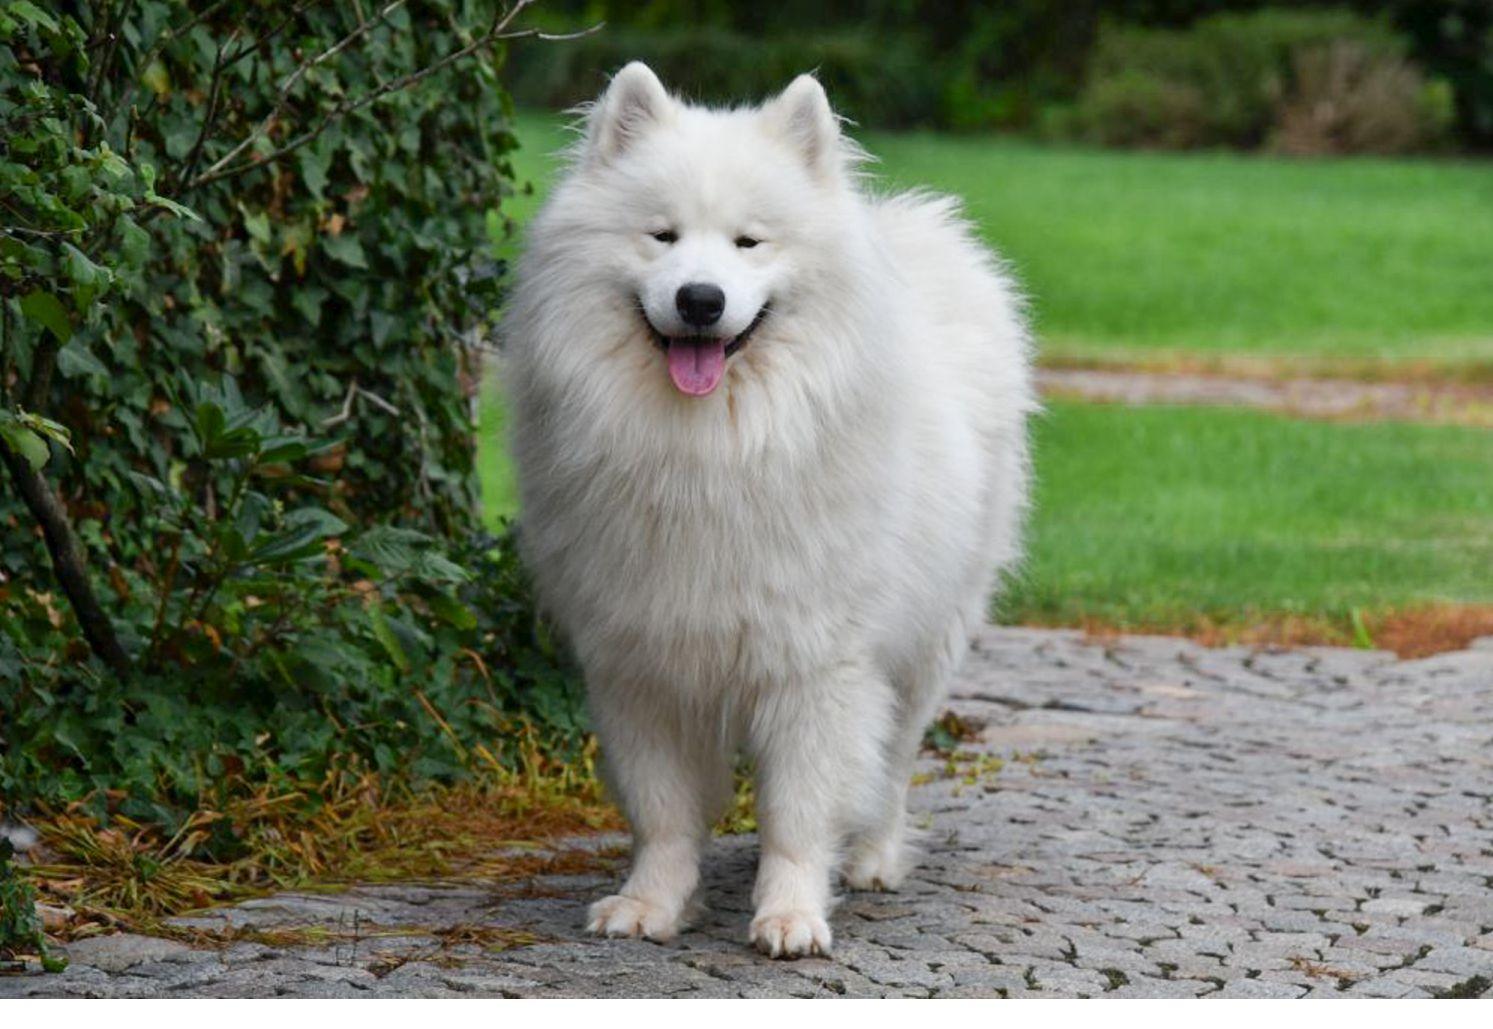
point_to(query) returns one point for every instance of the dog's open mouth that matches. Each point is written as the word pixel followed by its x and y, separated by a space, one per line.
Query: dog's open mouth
pixel 698 363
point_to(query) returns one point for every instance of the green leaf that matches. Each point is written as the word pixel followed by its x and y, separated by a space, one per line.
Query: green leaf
pixel 257 225
pixel 26 435
pixel 385 636
pixel 393 550
pixel 26 443
pixel 452 611
pixel 45 427
pixel 76 359
pixel 134 242
pixel 345 248
pixel 314 162
pixel 46 310
pixel 210 423
pixel 149 484
pixel 89 279
pixel 323 521
pixel 295 544
pixel 31 14
pixel 180 210
pixel 156 78
pixel 283 449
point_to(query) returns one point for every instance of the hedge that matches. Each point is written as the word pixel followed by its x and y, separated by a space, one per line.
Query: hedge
pixel 245 254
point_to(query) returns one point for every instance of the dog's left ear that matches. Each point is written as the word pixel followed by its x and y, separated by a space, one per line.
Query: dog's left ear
pixel 634 101
pixel 802 114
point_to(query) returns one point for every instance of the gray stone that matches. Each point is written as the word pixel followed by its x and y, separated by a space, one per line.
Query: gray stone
pixel 1198 822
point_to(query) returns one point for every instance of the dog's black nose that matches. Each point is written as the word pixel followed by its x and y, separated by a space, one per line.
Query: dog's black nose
pixel 700 303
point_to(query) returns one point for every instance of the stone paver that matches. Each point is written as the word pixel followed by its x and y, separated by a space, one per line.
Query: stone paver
pixel 1170 821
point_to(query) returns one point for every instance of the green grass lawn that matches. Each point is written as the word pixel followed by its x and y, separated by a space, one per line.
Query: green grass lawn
pixel 1146 255
pixel 1153 516
pixel 1160 516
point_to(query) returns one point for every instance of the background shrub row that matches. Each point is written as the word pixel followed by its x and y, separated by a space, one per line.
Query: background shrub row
pixel 1320 75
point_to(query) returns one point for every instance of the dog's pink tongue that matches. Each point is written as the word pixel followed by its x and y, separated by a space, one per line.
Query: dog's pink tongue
pixel 696 368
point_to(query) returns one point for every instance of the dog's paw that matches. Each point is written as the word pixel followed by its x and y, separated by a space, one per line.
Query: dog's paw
pixel 879 867
pixel 628 916
pixel 791 934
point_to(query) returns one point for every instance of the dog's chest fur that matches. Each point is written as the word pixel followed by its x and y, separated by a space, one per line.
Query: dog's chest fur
pixel 703 566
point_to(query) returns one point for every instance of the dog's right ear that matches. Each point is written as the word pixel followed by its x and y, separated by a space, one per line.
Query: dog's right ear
pixel 633 102
pixel 803 116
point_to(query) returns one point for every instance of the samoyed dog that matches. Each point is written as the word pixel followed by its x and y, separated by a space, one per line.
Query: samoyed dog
pixel 770 432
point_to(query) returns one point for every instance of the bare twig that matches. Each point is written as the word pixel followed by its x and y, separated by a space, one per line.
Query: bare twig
pixel 214 171
pixel 214 91
pixel 353 392
pixel 111 20
pixel 126 95
pixel 224 168
pixel 279 27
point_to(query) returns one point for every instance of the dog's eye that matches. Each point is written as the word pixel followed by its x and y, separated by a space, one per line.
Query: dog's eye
pixel 746 242
pixel 666 236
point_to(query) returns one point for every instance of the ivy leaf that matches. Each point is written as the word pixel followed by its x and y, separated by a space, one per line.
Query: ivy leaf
pixel 76 359
pixel 46 310
pixel 88 278
pixel 24 442
pixel 345 248
pixel 256 224
pixel 134 242
pixel 314 162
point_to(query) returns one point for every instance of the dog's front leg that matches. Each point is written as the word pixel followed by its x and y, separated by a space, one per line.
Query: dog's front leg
pixel 669 776
pixel 818 745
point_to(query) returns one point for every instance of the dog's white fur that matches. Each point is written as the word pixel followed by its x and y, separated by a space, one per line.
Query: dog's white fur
pixel 792 565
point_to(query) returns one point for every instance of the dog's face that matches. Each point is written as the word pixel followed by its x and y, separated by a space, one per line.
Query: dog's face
pixel 698 223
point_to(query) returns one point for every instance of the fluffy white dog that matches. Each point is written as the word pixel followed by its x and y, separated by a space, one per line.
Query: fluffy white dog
pixel 771 440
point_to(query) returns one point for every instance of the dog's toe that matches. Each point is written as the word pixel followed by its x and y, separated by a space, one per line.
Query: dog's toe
pixel 791 934
pixel 880 867
pixel 629 916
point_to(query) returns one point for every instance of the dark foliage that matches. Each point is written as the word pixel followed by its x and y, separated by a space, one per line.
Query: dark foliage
pixel 1304 81
pixel 956 64
pixel 245 246
pixel 888 84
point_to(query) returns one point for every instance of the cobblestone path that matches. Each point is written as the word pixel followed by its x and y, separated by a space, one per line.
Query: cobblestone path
pixel 1169 821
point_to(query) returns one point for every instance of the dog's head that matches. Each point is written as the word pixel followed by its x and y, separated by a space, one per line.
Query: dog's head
pixel 698 225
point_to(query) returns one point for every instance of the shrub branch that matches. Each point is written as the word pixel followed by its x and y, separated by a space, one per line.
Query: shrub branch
pixel 68 560
pixel 224 167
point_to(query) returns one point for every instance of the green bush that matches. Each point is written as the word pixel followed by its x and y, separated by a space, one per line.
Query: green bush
pixel 1226 80
pixel 243 254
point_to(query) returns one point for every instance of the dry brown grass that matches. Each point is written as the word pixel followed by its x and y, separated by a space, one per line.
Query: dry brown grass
pixel 349 827
pixel 1275 367
pixel 1410 632
pixel 1433 629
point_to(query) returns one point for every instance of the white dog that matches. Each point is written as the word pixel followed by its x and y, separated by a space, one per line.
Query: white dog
pixel 771 440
